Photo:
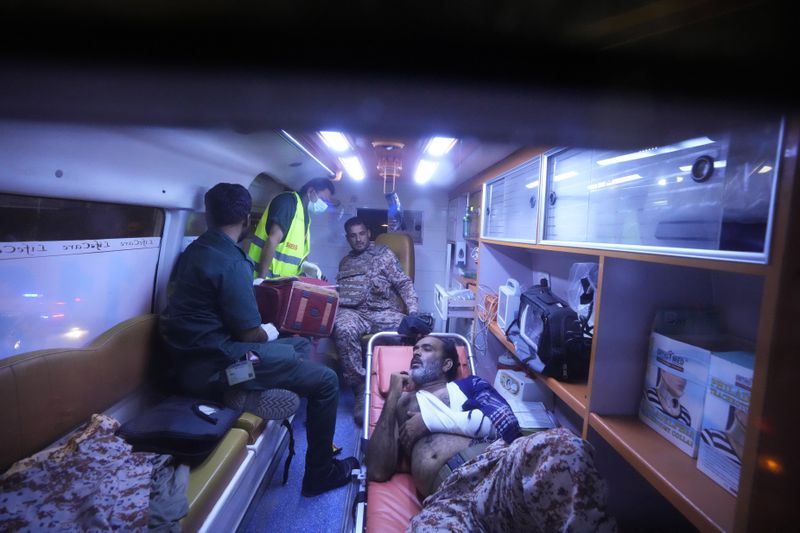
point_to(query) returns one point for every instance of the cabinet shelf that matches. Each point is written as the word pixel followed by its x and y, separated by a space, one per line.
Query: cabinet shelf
pixel 673 473
pixel 468 283
pixel 573 394
pixel 693 262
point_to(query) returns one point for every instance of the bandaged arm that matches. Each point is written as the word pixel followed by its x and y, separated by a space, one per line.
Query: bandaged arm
pixel 439 418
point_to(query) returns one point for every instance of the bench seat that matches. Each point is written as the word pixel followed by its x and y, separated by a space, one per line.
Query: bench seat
pixel 46 394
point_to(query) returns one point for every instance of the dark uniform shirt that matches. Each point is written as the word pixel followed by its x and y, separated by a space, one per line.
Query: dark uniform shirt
pixel 282 209
pixel 212 296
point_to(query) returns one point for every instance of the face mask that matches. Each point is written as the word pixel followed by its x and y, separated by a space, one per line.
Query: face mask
pixel 318 206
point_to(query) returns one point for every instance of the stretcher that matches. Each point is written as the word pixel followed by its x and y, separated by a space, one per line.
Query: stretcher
pixel 389 506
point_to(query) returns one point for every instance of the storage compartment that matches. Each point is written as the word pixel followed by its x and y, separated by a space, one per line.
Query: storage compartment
pixel 707 196
pixel 512 203
pixel 456 303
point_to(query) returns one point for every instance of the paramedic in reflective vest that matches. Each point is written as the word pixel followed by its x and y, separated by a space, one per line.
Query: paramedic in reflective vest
pixel 462 444
pixel 212 323
pixel 373 289
pixel 281 241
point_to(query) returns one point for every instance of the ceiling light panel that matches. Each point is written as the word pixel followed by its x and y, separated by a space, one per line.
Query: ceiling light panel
pixel 353 167
pixel 425 170
pixel 439 146
pixel 335 140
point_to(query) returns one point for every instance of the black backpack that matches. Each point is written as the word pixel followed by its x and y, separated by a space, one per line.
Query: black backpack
pixel 559 340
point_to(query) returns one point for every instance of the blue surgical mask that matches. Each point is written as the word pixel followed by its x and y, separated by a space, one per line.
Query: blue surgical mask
pixel 317 206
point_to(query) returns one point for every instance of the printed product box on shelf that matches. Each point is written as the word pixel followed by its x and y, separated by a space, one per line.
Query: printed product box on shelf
pixel 674 390
pixel 730 378
pixel 682 344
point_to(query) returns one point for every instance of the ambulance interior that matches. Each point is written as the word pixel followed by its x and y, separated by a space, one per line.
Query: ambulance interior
pixel 101 188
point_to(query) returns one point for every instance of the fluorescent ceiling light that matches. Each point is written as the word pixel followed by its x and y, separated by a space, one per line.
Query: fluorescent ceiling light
pixel 650 152
pixel 565 176
pixel 532 185
pixel 336 141
pixel 662 181
pixel 615 181
pixel 425 170
pixel 353 167
pixel 439 146
pixel 764 169
pixel 717 164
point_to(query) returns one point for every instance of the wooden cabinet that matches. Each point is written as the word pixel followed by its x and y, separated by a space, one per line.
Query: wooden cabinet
pixel 756 302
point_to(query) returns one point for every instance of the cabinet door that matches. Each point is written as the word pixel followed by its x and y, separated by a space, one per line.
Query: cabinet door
pixel 704 196
pixel 453 219
pixel 512 203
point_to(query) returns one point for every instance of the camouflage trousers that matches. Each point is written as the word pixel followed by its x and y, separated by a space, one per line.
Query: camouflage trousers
pixel 93 482
pixel 348 328
pixel 539 483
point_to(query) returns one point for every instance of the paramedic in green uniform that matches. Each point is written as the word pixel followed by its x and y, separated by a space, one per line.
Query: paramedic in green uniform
pixel 212 322
pixel 282 240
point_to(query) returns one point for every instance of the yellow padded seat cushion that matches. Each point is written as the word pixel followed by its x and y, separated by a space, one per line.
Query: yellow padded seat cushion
pixel 208 480
pixel 403 247
pixel 252 424
pixel 48 393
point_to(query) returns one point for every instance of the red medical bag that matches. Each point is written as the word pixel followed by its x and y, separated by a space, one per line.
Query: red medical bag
pixel 298 305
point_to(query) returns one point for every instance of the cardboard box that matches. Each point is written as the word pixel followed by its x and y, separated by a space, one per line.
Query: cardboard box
pixel 675 390
pixel 730 378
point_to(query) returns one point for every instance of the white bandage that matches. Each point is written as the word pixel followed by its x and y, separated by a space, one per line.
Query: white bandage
pixel 270 330
pixel 439 418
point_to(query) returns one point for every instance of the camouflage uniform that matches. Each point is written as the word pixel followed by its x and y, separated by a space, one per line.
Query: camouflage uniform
pixel 540 483
pixel 373 290
pixel 92 482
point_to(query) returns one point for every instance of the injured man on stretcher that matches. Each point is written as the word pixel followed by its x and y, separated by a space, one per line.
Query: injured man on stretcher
pixel 462 444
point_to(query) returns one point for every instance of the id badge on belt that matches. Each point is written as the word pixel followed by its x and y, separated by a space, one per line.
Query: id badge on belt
pixel 239 372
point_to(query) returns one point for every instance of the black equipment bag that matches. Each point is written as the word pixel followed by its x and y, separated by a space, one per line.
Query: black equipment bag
pixel 559 340
pixel 186 428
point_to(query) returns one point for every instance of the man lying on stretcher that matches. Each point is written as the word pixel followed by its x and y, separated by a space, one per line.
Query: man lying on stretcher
pixel 463 447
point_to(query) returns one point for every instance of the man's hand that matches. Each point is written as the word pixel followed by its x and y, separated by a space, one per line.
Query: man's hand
pixel 399 382
pixel 412 430
pixel 270 330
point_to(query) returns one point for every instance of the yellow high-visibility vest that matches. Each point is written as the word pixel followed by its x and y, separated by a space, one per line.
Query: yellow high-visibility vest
pixel 290 253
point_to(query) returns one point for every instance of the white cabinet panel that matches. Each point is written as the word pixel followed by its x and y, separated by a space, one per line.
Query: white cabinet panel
pixel 511 203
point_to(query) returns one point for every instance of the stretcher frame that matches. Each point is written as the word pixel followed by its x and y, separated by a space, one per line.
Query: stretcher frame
pixel 361 500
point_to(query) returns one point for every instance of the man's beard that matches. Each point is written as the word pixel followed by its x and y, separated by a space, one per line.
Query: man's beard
pixel 244 234
pixel 423 375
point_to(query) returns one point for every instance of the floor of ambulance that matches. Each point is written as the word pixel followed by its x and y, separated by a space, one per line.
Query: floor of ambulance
pixel 278 507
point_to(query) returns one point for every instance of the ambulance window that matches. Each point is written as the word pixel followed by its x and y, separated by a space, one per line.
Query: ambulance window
pixel 27 218
pixel 71 269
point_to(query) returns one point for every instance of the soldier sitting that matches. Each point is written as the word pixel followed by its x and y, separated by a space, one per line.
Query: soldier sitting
pixel 372 291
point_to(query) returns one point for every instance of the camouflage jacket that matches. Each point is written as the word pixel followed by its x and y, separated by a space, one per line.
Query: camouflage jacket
pixel 374 280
